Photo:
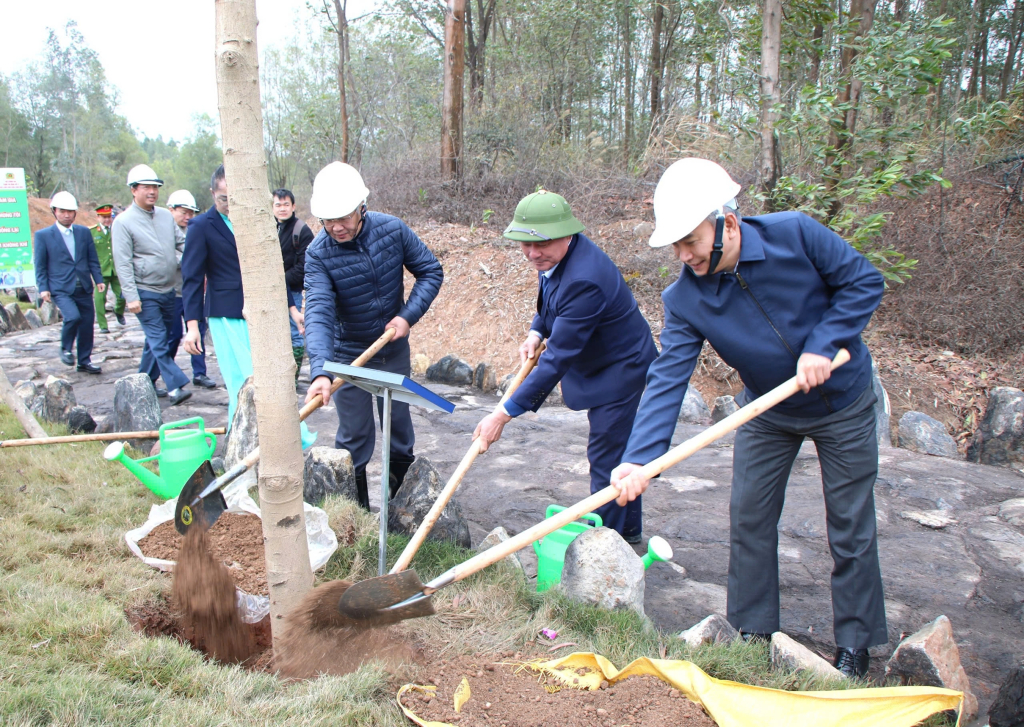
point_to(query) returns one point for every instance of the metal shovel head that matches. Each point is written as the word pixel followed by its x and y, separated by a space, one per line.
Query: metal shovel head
pixel 203 513
pixel 373 600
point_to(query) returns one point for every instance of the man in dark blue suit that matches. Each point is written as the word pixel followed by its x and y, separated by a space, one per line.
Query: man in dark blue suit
pixel 66 266
pixel 598 343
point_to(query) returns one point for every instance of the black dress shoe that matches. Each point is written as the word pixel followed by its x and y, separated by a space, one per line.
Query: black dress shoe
pixel 66 358
pixel 160 392
pixel 89 369
pixel 634 539
pixel 852 663
pixel 179 395
pixel 120 319
pixel 205 381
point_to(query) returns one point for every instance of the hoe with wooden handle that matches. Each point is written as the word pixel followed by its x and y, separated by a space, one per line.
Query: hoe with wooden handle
pixel 201 500
pixel 456 479
pixel 399 596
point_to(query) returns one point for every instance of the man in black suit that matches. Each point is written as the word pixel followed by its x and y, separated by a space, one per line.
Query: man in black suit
pixel 66 266
pixel 599 344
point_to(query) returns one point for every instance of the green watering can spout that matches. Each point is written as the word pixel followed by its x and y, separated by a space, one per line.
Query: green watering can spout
pixel 115 451
pixel 657 549
pixel 182 452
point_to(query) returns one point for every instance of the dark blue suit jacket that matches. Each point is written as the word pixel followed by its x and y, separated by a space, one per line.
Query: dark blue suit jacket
pixel 599 344
pixel 55 270
pixel 210 254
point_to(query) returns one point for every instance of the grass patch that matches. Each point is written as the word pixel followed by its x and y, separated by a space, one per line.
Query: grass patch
pixel 68 655
pixel 5 299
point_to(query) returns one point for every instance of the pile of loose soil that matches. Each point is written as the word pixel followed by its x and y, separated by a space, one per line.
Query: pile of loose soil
pixel 234 540
pixel 504 695
pixel 203 591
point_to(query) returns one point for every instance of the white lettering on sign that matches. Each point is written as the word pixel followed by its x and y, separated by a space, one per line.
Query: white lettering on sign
pixel 9 229
pixel 8 200
pixel 10 214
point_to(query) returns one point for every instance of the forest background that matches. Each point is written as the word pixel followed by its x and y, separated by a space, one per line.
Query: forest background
pixel 896 123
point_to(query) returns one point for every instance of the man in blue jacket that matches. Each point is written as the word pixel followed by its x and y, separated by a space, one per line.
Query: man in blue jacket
pixel 354 292
pixel 66 266
pixel 774 295
pixel 598 343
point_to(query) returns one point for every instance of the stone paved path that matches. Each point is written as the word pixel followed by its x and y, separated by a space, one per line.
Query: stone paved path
pixel 972 570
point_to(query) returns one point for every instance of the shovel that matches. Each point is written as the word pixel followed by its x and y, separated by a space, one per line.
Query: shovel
pixel 201 499
pixel 399 596
pixel 456 479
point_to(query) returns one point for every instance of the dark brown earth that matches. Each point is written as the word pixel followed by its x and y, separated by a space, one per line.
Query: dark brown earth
pixel 203 592
pixel 510 695
pixel 235 540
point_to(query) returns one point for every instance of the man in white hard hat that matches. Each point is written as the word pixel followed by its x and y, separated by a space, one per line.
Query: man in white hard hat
pixel 212 289
pixel 66 267
pixel 183 208
pixel 775 295
pixel 146 257
pixel 355 292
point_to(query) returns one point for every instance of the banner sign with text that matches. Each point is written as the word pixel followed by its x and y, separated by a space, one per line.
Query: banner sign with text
pixel 16 267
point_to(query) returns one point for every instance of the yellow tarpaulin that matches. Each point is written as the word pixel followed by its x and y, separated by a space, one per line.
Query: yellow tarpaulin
pixel 732 704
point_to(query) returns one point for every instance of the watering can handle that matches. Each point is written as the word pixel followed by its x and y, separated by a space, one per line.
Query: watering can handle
pixel 591 516
pixel 182 423
pixel 211 439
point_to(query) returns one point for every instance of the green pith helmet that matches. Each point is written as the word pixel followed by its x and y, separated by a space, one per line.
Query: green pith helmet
pixel 541 216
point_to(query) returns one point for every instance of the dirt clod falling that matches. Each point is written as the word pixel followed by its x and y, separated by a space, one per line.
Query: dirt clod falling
pixel 204 593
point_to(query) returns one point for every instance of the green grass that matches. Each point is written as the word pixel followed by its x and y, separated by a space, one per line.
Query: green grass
pixel 5 299
pixel 69 657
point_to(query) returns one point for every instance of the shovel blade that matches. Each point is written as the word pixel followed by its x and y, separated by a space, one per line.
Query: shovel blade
pixel 203 513
pixel 372 600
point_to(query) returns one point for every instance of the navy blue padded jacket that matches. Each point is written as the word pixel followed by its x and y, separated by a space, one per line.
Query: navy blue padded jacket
pixel 354 288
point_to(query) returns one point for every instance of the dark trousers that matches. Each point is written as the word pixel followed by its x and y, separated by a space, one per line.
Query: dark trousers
pixel 78 312
pixel 177 332
pixel 157 321
pixel 610 425
pixel 356 431
pixel 765 450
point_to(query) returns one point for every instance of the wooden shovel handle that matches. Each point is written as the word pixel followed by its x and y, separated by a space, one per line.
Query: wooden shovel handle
pixel 317 401
pixel 109 436
pixel 672 457
pixel 456 479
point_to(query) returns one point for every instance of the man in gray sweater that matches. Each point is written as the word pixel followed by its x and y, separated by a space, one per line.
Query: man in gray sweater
pixel 146 258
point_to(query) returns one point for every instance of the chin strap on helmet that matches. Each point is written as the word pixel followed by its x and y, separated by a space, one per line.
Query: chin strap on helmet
pixel 716 249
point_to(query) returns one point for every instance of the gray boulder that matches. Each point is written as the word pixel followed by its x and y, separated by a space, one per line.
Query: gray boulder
pixel 715 629
pixel 882 409
pixel 243 436
pixel 80 421
pixel 920 433
pixel 105 425
pixel 930 658
pixel 504 384
pixel 52 401
pixel 601 569
pixel 1000 437
pixel 484 377
pixel 1008 708
pixel 328 471
pixel 724 406
pixel 32 318
pixel 414 499
pixel 18 322
pixel 136 407
pixel 794 656
pixel 48 313
pixel 695 409
pixel 451 370
pixel 496 536
pixel 6 324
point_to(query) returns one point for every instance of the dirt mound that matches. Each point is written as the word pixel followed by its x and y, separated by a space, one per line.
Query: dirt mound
pixel 40 215
pixel 204 593
pixel 318 639
pixel 502 693
pixel 234 540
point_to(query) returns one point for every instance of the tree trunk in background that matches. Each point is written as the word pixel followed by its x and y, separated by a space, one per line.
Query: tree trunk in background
pixel 656 63
pixel 1014 35
pixel 341 7
pixel 451 107
pixel 862 15
pixel 477 31
pixel 627 86
pixel 266 309
pixel 816 38
pixel 771 94
pixel 980 40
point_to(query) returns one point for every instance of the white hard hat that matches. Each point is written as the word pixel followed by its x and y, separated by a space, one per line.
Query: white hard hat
pixel 182 198
pixel 143 174
pixel 64 201
pixel 338 190
pixel 689 191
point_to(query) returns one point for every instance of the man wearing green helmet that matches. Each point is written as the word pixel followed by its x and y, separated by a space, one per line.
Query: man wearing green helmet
pixel 598 343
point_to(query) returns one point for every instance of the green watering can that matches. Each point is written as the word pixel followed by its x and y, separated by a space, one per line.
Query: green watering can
pixel 182 451
pixel 551 548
